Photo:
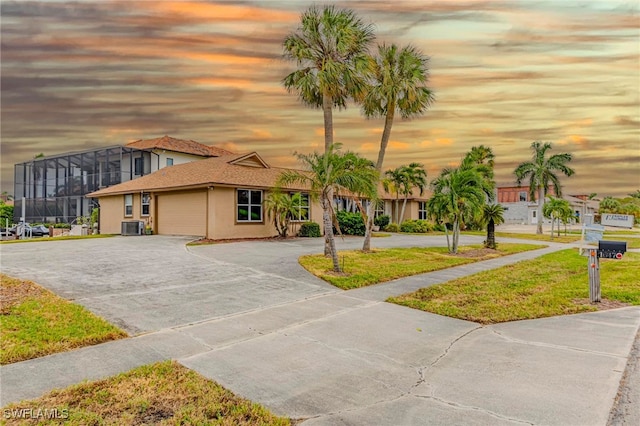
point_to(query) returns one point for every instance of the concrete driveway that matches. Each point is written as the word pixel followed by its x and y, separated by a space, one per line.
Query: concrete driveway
pixel 246 315
pixel 145 284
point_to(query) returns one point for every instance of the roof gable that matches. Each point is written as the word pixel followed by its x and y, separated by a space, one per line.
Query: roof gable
pixel 179 145
pixel 250 160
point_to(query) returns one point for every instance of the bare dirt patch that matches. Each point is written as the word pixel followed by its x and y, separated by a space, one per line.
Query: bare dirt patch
pixel 476 253
pixel 603 305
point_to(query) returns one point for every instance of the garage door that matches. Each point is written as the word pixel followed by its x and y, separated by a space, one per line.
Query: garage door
pixel 182 213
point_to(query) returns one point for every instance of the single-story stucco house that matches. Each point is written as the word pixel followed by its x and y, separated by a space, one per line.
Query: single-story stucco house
pixel 217 198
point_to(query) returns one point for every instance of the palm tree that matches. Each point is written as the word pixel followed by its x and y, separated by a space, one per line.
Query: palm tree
pixel 482 159
pixel 281 208
pixel 330 48
pixel 492 215
pixel 393 183
pixel 398 85
pixel 415 177
pixel 457 195
pixel 609 205
pixel 540 172
pixel 556 209
pixel 331 172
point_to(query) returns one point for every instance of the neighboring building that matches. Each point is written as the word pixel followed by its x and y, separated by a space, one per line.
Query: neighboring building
pixel 54 187
pixel 520 209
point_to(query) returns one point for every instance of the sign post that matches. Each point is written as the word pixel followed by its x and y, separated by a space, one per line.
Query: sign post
pixel 594 276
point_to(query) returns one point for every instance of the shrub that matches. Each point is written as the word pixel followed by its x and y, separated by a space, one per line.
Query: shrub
pixel 438 227
pixel 309 229
pixel 392 227
pixel 350 223
pixel 382 221
pixel 416 226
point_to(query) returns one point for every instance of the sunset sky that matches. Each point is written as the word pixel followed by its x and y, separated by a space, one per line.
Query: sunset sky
pixel 86 74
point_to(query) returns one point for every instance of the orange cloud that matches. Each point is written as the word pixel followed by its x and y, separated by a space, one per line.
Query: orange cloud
pixel 221 81
pixel 369 147
pixel 425 144
pixel 578 140
pixel 399 145
pixel 444 141
pixel 262 134
pixel 221 12
pixel 319 131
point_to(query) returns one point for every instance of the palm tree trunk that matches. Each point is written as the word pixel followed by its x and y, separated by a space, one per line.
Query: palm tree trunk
pixel 329 243
pixel 491 234
pixel 540 203
pixel 456 233
pixel 404 205
pixel 446 233
pixel 386 134
pixel 366 245
pixel 552 221
pixel 384 141
pixel 327 109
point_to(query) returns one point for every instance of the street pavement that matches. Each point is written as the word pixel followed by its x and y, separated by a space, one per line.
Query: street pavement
pixel 248 316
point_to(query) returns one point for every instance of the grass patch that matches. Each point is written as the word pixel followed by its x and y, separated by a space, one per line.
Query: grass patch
pixel 380 234
pixel 60 238
pixel 35 322
pixel 544 237
pixel 164 393
pixel 363 269
pixel 554 284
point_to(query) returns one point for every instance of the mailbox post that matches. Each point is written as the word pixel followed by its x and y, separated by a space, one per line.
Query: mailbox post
pixel 607 250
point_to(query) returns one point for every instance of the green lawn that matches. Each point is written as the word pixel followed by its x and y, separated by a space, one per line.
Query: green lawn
pixel 554 284
pixel 35 322
pixel 544 237
pixel 160 394
pixel 363 269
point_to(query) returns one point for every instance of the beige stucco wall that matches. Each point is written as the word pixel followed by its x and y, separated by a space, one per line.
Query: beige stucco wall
pixel 112 213
pixel 219 215
pixel 222 217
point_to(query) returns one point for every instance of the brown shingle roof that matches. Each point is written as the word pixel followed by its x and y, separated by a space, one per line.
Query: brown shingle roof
pixel 210 171
pixel 178 145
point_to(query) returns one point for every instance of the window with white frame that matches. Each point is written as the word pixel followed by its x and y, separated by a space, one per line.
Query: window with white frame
pixel 379 209
pixel 249 205
pixel 128 205
pixel 169 161
pixel 422 210
pixel 522 196
pixel 145 203
pixel 301 207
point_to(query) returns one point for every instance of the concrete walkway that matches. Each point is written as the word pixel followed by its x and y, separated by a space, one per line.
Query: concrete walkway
pixel 335 357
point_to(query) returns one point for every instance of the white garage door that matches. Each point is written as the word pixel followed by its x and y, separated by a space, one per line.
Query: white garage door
pixel 182 213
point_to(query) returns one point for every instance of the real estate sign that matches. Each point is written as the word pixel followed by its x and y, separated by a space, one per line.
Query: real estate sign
pixel 619 220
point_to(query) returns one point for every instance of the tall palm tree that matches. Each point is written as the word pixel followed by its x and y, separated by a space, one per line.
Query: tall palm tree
pixel 415 177
pixel 492 215
pixel 457 194
pixel 330 48
pixel 541 172
pixel 398 85
pixel 333 171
